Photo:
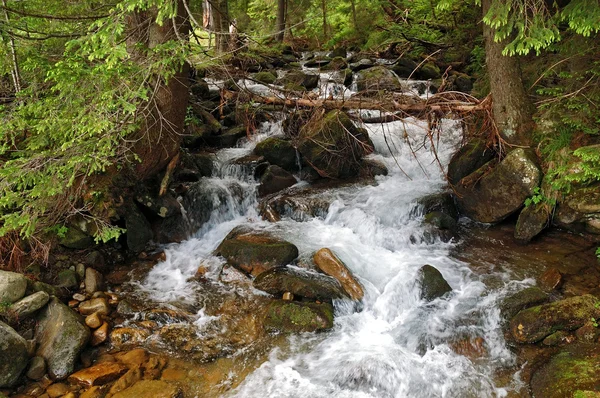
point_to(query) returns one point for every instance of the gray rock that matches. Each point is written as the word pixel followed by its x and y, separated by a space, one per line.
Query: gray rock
pixel 139 231
pixel 94 281
pixel 75 238
pixel 274 180
pixel 80 271
pixel 521 300
pixel 12 286
pixel 467 159
pixel 433 284
pixel 13 355
pixel 300 282
pixel 99 305
pixel 362 64
pixel 494 192
pixel 67 278
pixel 37 368
pixel 377 78
pixel 29 304
pixel 61 335
pixel 533 219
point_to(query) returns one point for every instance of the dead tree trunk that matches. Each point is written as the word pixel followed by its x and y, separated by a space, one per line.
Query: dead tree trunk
pixel 281 11
pixel 220 12
pixel 511 106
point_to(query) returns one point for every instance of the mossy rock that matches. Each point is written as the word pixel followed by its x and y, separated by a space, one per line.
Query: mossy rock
pixel 256 251
pixel 337 63
pixel 75 238
pixel 275 179
pixel 279 152
pixel 300 282
pixel 573 373
pixel 339 52
pixel 404 67
pixel 579 211
pixel 298 78
pixel 433 284
pixel 13 355
pixel 334 146
pixel 467 159
pixel 440 220
pixel 521 300
pixel 265 77
pixel 532 220
pixel 377 78
pixel 533 324
pixel 295 317
pixel 427 71
pixel 495 191
pixel 317 62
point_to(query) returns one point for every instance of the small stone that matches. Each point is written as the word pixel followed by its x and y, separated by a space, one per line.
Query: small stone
pixel 100 335
pixel 67 278
pixel 79 297
pixel 100 294
pixel 99 305
pixel 30 304
pixel 550 280
pixel 73 303
pixel 57 390
pixel 94 281
pixel 80 270
pixel 37 368
pixel 98 374
pixel 12 286
pixel 93 320
pixel 133 358
pixel 288 296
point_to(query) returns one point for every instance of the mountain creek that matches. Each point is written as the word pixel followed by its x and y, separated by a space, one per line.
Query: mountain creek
pixel 371 283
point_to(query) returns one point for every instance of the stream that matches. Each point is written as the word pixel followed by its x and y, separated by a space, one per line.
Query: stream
pixel 392 343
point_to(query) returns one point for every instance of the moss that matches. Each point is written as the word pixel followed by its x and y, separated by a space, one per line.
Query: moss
pixel 290 316
pixel 265 77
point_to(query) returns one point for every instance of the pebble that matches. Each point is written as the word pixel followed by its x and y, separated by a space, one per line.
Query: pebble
pixel 93 320
pixel 99 305
pixel 57 390
pixel 79 297
pixel 37 368
pixel 100 335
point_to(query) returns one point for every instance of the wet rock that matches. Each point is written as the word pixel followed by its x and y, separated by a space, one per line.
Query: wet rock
pixel 75 238
pixel 132 376
pixel 139 231
pixel 521 300
pixel 533 324
pixel 275 179
pixel 441 220
pixel 256 251
pixel 337 63
pixel 51 290
pixel 572 373
pixel 61 335
pixel 93 321
pixel 589 332
pixel 330 264
pixel 57 390
pixel 404 67
pixel 377 78
pixel 30 304
pixel 361 65
pixel 133 358
pixel 185 338
pixel 467 159
pixel 279 152
pixel 433 284
pixel 37 368
pixel 265 77
pixel 317 62
pixel 100 335
pixel 97 305
pixel 439 202
pixel 300 282
pixel 94 392
pixel 341 52
pixel 372 168
pixel 491 194
pixel 12 286
pixel 460 82
pixel 205 196
pixel 579 211
pixel 427 71
pixel 297 78
pixel 295 317
pixel 13 355
pixel 94 259
pixel 98 374
pixel 128 336
pixel 228 138
pixel 333 145
pixel 559 338
pixel 533 219
pixel 550 280
pixel 299 205
pixel 151 388
pixel 470 347
pixel 94 281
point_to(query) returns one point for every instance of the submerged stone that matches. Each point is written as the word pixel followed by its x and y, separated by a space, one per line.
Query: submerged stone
pixel 521 300
pixel 300 282
pixel 295 317
pixel 433 284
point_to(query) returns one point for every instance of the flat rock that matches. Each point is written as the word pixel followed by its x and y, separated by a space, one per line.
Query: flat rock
pixel 12 286
pixel 98 374
pixel 61 335
pixel 30 304
pixel 521 300
pixel 533 324
pixel 330 264
pixel 151 388
pixel 13 355
pixel 300 282
pixel 292 316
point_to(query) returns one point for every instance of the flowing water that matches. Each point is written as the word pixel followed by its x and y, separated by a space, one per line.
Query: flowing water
pixel 393 344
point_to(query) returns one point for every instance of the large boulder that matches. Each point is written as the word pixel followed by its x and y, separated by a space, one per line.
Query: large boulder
pixel 521 300
pixel 279 152
pixel 299 79
pixel 13 355
pixel 333 145
pixel 295 317
pixel 433 284
pixel 299 282
pixel 204 197
pixel 532 220
pixel 12 286
pixel 255 251
pixel 330 264
pixel 275 179
pixel 405 67
pixel 139 231
pixel 377 78
pixel 495 191
pixel 533 324
pixel 61 335
pixel 468 158
pixel 580 210
pixel 574 372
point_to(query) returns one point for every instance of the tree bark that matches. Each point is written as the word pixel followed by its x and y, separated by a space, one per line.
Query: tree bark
pixel 281 11
pixel 160 135
pixel 16 75
pixel 221 21
pixel 324 10
pixel 511 107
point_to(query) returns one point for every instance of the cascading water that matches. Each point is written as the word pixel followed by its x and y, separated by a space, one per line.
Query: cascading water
pixel 394 344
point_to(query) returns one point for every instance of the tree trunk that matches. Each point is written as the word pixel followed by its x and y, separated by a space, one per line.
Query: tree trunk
pixel 221 25
pixel 353 6
pixel 16 75
pixel 281 10
pixel 324 10
pixel 160 135
pixel 511 106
